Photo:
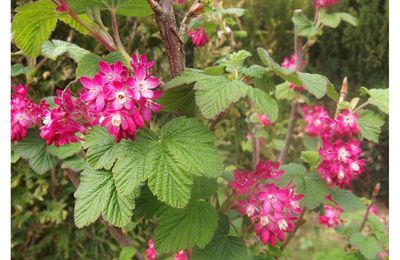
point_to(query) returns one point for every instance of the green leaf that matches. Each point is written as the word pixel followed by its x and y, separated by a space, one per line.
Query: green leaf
pixel 138 8
pixel 222 246
pixel 348 18
pixel 264 103
pixel 32 25
pixel 185 228
pixel 335 253
pixel 54 48
pixel 309 184
pixel 310 157
pixel 283 91
pixel 147 205
pixel 380 99
pixel 65 18
pixel 97 195
pixel 14 156
pixel 188 76
pixel 88 65
pixel 347 200
pixel 204 188
pixel 102 149
pixel 18 69
pixel 314 83
pixel 178 99
pixel 33 149
pixel 378 229
pixel 370 124
pixel 254 71
pixel 331 93
pixel 369 246
pixel 304 25
pixel 330 20
pixel 64 151
pixel 127 253
pixel 75 163
pixel 215 94
pixel 235 60
pixel 183 148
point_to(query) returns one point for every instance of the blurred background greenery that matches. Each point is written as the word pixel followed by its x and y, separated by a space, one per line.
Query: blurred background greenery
pixel 42 205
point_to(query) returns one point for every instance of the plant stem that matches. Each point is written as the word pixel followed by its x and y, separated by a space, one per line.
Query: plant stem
pixel 117 38
pixel 187 19
pixel 291 235
pixel 366 103
pixel 166 23
pixel 375 193
pixel 293 111
pixel 116 232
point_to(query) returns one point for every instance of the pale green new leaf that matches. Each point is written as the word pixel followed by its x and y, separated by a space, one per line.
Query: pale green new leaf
pixel 188 76
pixel 234 60
pixel 369 246
pixel 254 71
pixel 370 124
pixel 310 157
pixel 215 94
pixel 65 18
pixel 264 103
pixel 32 25
pixel 185 228
pixel 88 65
pixel 138 8
pixel 54 48
pixel 283 91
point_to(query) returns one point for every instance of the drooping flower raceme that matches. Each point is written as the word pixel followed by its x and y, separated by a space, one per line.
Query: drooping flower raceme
pixel 181 255
pixel 151 252
pixel 272 209
pixel 199 37
pixel 113 98
pixel 340 151
pixel 291 64
pixel 325 3
pixel 24 113
pixel 331 217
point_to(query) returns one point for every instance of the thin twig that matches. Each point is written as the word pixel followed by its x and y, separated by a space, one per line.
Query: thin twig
pixel 291 235
pixel 375 193
pixel 114 22
pixel 188 17
pixel 366 103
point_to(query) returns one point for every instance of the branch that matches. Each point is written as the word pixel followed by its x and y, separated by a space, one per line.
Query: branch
pixel 293 112
pixel 116 232
pixel 117 38
pixel 291 235
pixel 375 193
pixel 156 7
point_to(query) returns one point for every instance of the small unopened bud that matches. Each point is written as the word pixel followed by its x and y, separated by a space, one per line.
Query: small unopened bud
pixel 376 190
pixel 345 86
pixel 197 8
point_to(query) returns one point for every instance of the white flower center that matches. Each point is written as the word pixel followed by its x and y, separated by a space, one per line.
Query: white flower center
pixel 271 197
pixel 317 122
pixel 116 120
pixel 250 210
pixel 121 98
pixel 110 76
pixel 20 117
pixel 342 154
pixel 47 120
pixel 340 175
pixel 264 220
pixel 282 224
pixel 354 166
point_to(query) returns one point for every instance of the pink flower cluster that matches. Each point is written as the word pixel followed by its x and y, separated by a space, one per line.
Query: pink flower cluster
pixel 325 3
pixel 24 112
pixel 199 37
pixel 151 252
pixel 331 217
pixel 291 64
pixel 264 120
pixel 272 209
pixel 340 150
pixel 114 98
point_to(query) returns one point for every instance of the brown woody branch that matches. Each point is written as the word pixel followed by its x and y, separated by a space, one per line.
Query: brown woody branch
pixel 375 193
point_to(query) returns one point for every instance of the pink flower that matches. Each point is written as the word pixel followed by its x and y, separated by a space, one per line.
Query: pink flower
pixel 24 113
pixel 242 182
pixel 181 255
pixel 315 117
pixel 325 3
pixel 120 95
pixel 179 2
pixel 112 73
pixel 331 217
pixel 347 123
pixel 272 209
pixel 94 93
pixel 199 37
pixel 60 125
pixel 374 211
pixel 144 84
pixel 264 120
pixel 141 61
pixel 151 252
pixel 268 170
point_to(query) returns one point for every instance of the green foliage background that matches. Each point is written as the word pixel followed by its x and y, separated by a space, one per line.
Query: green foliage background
pixel 42 205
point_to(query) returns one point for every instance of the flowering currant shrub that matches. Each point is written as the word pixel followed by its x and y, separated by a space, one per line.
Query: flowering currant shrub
pixel 147 153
